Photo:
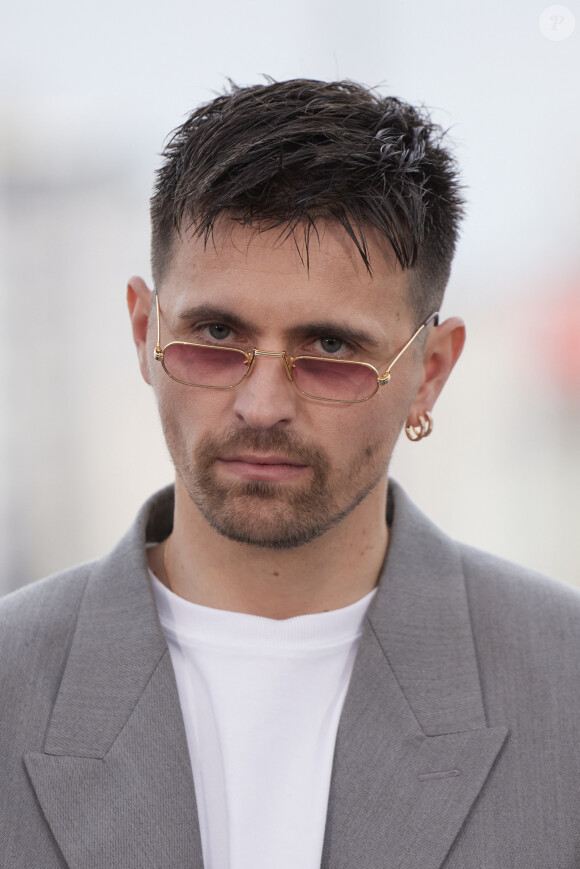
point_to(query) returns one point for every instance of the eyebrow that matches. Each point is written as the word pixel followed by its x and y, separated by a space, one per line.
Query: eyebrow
pixel 214 313
pixel 335 330
pixel 341 331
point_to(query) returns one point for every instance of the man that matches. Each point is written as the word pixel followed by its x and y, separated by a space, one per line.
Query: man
pixel 284 663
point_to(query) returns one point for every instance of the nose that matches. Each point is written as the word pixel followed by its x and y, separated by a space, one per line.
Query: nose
pixel 266 397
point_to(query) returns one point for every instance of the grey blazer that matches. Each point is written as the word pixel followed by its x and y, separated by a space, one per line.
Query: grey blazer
pixel 458 745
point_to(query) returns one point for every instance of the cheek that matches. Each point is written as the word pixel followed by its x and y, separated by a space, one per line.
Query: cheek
pixel 176 412
pixel 167 397
pixel 188 414
pixel 365 435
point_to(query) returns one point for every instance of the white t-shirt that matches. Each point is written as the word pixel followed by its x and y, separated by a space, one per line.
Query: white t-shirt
pixel 261 700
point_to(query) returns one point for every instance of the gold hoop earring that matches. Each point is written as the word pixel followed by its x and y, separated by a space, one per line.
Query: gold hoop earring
pixel 423 430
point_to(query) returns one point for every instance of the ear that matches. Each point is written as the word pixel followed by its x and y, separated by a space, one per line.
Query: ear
pixel 139 299
pixel 442 350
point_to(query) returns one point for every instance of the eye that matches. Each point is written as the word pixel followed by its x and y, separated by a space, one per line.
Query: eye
pixel 218 330
pixel 331 345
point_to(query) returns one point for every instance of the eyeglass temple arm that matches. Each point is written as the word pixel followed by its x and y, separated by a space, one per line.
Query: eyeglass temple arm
pixel 387 375
pixel 158 352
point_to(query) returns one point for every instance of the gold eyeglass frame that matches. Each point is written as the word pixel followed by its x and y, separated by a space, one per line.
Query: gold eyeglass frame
pixel 382 379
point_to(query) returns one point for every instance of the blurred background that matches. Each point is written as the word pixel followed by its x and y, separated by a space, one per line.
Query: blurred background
pixel 88 93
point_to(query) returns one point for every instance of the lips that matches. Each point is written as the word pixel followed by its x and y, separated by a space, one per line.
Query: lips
pixel 262 466
pixel 262 459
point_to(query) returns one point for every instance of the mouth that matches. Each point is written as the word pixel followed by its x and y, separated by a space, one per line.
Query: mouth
pixel 262 466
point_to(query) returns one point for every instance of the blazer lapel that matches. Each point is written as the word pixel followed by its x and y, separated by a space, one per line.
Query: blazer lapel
pixel 413 750
pixel 114 780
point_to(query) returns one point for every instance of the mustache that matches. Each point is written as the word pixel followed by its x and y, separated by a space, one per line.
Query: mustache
pixel 275 440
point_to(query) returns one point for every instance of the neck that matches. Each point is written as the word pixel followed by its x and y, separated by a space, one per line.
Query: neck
pixel 333 571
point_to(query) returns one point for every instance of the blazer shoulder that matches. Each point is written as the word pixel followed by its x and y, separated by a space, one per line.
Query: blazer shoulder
pixel 526 629
pixel 37 623
pixel 503 586
pixel 45 597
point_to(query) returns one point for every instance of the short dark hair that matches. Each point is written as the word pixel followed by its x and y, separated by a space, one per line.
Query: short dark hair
pixel 295 152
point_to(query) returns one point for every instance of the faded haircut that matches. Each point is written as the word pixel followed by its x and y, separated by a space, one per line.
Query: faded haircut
pixel 298 153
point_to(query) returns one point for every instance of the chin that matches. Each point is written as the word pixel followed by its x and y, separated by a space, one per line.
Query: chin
pixel 270 516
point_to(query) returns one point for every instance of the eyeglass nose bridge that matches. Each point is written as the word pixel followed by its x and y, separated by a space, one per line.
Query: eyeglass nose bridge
pixel 281 355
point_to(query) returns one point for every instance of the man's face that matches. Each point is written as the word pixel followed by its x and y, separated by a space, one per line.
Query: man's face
pixel 263 464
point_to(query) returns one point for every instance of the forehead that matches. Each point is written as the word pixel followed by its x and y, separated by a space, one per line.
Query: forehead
pixel 272 274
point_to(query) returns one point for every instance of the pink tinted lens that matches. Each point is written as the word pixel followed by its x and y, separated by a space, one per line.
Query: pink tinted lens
pixel 204 366
pixel 330 378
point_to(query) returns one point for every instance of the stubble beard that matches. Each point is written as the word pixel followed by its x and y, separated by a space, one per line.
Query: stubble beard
pixel 266 514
